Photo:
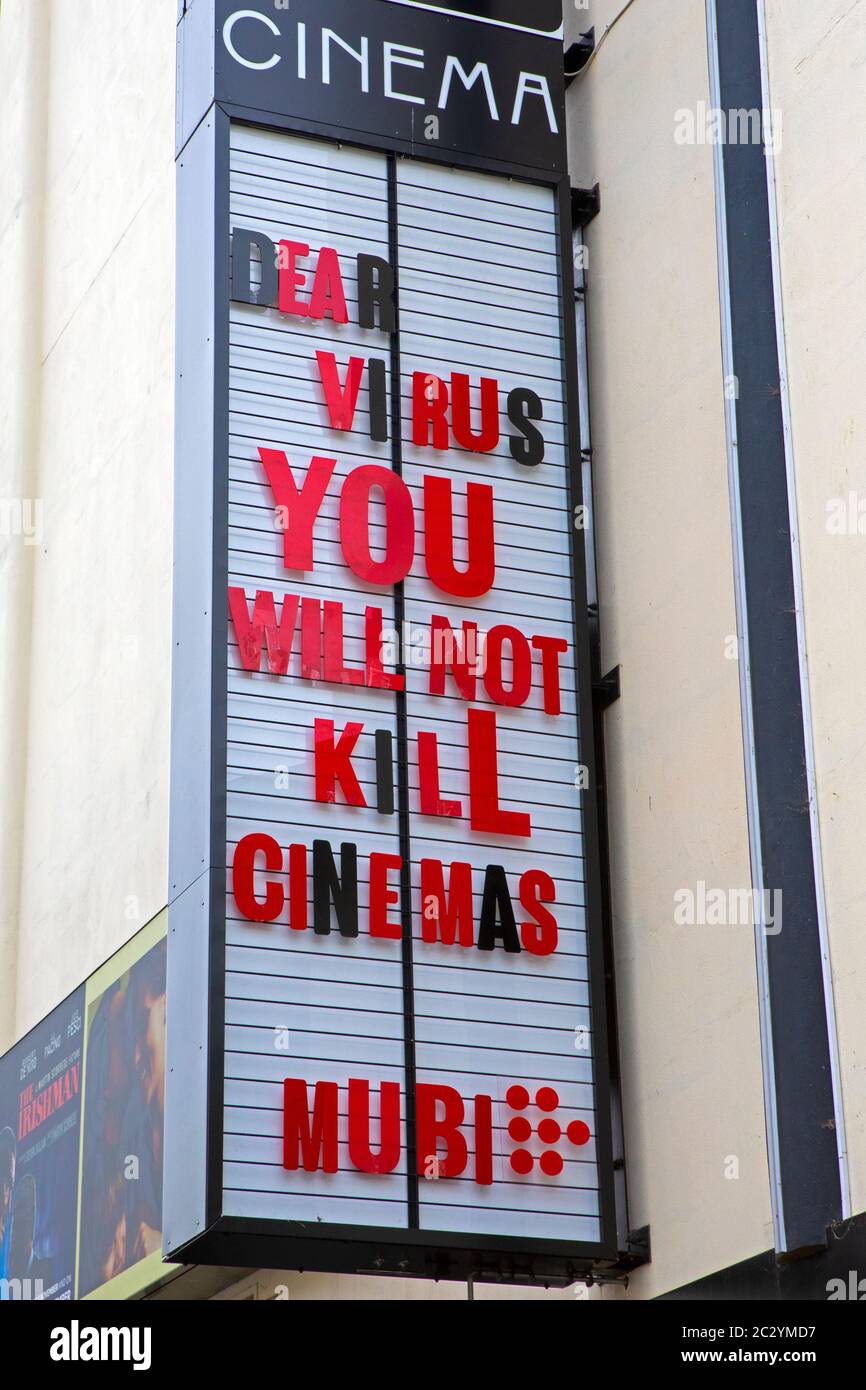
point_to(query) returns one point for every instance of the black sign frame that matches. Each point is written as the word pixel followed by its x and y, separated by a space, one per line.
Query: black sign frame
pixel 195 1228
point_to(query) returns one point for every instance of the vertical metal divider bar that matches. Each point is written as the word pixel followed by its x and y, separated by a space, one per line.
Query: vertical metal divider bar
pixel 412 1195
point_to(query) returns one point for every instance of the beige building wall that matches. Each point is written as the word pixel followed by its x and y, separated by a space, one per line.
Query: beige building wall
pixel 22 104
pixel 87 228
pixel 691 1051
pixel 816 57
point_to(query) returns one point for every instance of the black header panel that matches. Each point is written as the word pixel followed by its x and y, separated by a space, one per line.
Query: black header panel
pixel 421 79
pixel 543 16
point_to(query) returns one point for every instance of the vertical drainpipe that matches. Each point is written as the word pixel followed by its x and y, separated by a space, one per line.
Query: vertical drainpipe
pixel 803 1104
pixel 809 745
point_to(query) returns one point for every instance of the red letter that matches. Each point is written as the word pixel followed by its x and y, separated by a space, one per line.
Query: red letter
pixel 428 780
pixel 298 887
pixel 480 572
pixel 429 407
pixel 341 400
pixel 441 921
pixel 461 414
pixel 290 278
pixel 244 881
pixel 334 763
pixel 541 935
pixel 382 896
pixel 483 1140
pixel 386 1160
pixel 334 668
pixel 461 656
pixel 355 525
pixel 250 634
pixel 521 666
pixel 311 639
pixel 430 1131
pixel 299 509
pixel 551 649
pixel 316 1141
pixel 484 810
pixel 328 297
pixel 377 677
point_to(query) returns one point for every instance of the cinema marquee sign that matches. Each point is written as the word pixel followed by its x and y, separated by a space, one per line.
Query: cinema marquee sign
pixel 386 994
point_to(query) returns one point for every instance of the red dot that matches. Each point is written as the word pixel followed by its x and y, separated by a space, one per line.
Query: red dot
pixel 546 1098
pixel 520 1129
pixel 578 1133
pixel 522 1161
pixel 517 1097
pixel 551 1163
pixel 549 1131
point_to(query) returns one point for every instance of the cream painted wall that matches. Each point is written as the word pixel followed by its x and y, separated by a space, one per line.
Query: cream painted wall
pixel 23 48
pixel 817 65
pixel 687 994
pixel 93 97
pixel 290 1286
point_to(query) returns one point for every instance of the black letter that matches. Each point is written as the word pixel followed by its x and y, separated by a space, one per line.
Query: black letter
pixel 496 895
pixel 376 287
pixel 523 406
pixel 243 242
pixel 327 884
pixel 378 400
pixel 384 772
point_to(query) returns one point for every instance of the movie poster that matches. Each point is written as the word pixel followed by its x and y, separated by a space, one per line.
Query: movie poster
pixel 40 1131
pixel 120 1222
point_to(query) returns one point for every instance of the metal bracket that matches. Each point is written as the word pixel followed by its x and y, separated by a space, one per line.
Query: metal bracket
pixel 585 205
pixel 578 55
pixel 637 1251
pixel 607 689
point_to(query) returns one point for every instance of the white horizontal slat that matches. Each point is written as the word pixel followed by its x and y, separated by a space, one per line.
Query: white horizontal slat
pixel 554 991
pixel 503 973
pixel 350 1210
pixel 459 183
pixel 255 1150
pixel 514 1222
pixel 243 1059
pixel 462 236
pixel 305 996
pixel 254 1026
pixel 289 959
pixel 464 1032
pixel 349 230
pixel 268 331
pixel 317 158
